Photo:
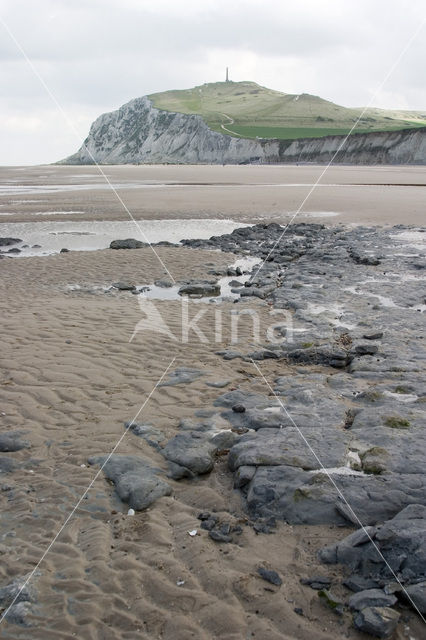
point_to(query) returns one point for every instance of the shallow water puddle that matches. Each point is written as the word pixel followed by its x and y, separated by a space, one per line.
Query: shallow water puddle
pixel 52 236
pixel 246 264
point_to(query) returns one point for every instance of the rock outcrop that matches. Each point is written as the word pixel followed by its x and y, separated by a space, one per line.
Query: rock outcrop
pixel 139 133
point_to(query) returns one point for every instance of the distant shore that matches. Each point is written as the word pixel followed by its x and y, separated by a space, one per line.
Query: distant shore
pixel 383 195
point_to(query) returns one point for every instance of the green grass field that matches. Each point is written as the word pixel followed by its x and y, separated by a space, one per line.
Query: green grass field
pixel 292 133
pixel 248 110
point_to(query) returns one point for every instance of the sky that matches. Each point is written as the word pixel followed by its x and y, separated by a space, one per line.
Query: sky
pixel 64 62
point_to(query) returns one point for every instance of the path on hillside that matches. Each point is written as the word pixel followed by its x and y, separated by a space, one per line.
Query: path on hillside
pixel 231 121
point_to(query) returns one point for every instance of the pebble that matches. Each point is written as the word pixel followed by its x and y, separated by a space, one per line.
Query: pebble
pixel 270 576
pixel 238 408
pixel 218 536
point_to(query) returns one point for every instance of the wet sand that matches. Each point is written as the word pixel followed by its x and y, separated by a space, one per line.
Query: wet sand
pixel 359 195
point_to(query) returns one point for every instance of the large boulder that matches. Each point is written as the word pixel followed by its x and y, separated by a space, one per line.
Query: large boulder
pixel 135 481
pixel 7 242
pixel 200 289
pixel 128 243
pixel 276 447
pixel 398 545
pixel 190 454
pixel 377 621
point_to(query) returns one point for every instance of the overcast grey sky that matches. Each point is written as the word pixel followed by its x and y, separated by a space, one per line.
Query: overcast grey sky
pixel 95 55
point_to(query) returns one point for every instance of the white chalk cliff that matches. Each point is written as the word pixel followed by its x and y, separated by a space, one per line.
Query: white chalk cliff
pixel 139 133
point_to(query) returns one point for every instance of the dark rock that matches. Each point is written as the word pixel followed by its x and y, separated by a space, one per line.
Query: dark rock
pixel 264 354
pixel 373 336
pixel 218 536
pixel 332 357
pixel 200 289
pixel 277 447
pixel 176 472
pixel 366 349
pixel 399 547
pixel 135 481
pixel 149 433
pixel 317 582
pixel 224 440
pixel 238 408
pixel 270 576
pixel 21 593
pixel 6 242
pixel 360 583
pixel 181 375
pixel 164 283
pixel 238 396
pixel 166 243
pixel 229 354
pixel 17 613
pixel 262 527
pixel 225 528
pixel 259 418
pixel 204 515
pixel 191 451
pixel 392 588
pixel 243 476
pixel 218 385
pixel 417 594
pixel 15 589
pixel 282 487
pixel 371 598
pixel 209 524
pixel 298 610
pixel 364 259
pixel 11 441
pixel 128 243
pixel 64 250
pixel 124 286
pixel 377 621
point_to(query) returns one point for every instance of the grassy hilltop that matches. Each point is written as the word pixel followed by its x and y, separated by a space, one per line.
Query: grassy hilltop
pixel 247 110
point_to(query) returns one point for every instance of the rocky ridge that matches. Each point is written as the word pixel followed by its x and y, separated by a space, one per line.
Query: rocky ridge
pixel 340 441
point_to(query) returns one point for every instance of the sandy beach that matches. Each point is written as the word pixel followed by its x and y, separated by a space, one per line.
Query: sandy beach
pixel 348 195
pixel 71 378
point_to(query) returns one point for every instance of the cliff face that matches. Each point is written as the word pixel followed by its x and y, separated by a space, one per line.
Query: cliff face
pixel 140 133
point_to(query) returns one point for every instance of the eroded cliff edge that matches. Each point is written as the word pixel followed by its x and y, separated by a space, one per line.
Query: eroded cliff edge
pixel 139 133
